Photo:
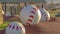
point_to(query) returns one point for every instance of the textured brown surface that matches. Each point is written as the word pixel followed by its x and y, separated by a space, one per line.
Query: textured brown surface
pixel 46 27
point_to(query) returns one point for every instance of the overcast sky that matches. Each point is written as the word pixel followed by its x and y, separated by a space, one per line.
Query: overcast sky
pixel 54 1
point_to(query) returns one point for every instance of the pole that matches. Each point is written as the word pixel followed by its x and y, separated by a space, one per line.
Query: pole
pixel 42 5
pixel 5 7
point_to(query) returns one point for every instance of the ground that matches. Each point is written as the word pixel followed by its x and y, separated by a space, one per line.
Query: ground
pixel 46 27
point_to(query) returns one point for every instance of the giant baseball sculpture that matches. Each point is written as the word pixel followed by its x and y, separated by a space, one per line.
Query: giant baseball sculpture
pixel 30 15
pixel 44 15
pixel 15 28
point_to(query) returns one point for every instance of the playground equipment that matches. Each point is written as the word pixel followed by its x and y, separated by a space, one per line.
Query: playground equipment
pixel 44 14
pixel 30 14
pixel 15 28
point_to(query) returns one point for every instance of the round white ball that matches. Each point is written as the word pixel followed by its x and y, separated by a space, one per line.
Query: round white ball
pixel 15 28
pixel 30 15
pixel 44 14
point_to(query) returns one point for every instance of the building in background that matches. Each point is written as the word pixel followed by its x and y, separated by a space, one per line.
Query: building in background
pixel 14 6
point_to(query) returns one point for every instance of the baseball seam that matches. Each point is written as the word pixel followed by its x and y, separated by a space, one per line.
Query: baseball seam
pixel 45 16
pixel 13 27
pixel 31 16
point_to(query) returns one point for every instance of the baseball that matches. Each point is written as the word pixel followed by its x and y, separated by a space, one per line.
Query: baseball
pixel 30 15
pixel 44 14
pixel 15 28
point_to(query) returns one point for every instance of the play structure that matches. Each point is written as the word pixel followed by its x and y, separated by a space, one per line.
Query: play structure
pixel 28 14
pixel 44 14
pixel 15 28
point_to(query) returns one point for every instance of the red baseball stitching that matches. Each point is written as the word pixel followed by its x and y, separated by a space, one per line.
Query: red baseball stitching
pixel 29 20
pixel 45 17
pixel 13 27
pixel 33 12
pixel 17 27
pixel 31 16
pixel 10 26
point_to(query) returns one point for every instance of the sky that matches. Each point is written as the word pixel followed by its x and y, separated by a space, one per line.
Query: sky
pixel 54 1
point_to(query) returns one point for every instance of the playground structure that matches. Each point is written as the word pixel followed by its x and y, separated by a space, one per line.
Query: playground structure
pixel 15 28
pixel 30 14
pixel 12 8
pixel 13 11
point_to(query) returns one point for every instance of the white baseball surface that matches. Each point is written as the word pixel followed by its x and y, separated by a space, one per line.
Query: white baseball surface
pixel 15 28
pixel 44 14
pixel 30 15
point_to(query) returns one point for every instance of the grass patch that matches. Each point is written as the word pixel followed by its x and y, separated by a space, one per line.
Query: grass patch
pixel 3 26
pixel 52 13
